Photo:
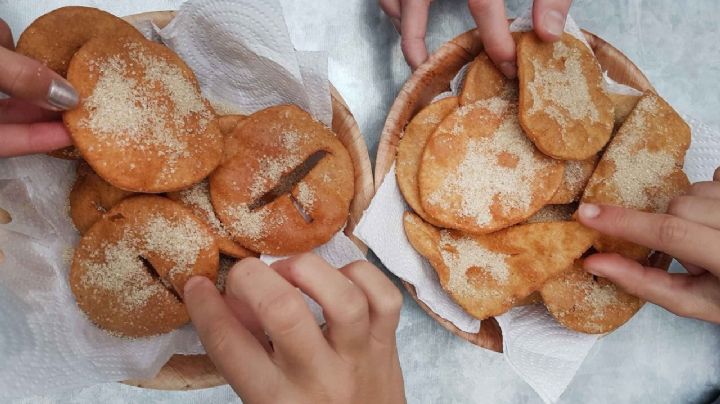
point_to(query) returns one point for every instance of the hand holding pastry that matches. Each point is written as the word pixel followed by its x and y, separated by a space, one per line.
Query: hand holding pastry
pixel 410 19
pixel 354 361
pixel 690 232
pixel 29 122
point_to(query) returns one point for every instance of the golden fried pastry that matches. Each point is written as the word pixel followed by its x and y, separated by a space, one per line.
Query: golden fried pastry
pixel 488 274
pixel 480 173
pixel 91 197
pixel 623 104
pixel 553 213
pixel 197 199
pixel 564 108
pixel 577 174
pixel 227 123
pixel 588 304
pixel 142 123
pixel 54 38
pixel 642 167
pixel 129 270
pixel 286 184
pixel 484 81
pixel 411 146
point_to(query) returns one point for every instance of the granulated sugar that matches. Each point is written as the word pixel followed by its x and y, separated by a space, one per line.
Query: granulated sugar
pixel 462 254
pixel 272 169
pixel 126 111
pixel 637 169
pixel 179 242
pixel 121 272
pixel 305 195
pixel 479 179
pixel 247 223
pixel 560 92
pixel 198 197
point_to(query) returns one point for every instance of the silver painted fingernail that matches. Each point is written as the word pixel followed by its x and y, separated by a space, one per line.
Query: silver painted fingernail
pixel 61 95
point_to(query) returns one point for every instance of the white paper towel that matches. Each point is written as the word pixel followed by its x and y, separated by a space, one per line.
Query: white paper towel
pixel 244 59
pixel 543 352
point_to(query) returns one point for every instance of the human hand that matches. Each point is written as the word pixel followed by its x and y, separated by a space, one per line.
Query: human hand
pixel 29 118
pixel 690 232
pixel 354 360
pixel 410 19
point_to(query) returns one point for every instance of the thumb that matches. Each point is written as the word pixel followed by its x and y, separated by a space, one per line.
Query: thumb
pixel 683 294
pixel 549 18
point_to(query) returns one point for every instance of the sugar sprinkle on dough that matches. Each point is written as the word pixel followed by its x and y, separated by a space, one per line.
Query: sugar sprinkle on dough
pixel 462 254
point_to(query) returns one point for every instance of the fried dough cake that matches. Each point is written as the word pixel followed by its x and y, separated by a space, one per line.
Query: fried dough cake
pixel 564 108
pixel 197 199
pixel 142 123
pixel 587 304
pixel 488 274
pixel 623 104
pixel 411 146
pixel 228 123
pixel 577 174
pixel 286 184
pixel 91 197
pixel 553 213
pixel 480 173
pixel 54 37
pixel 642 167
pixel 129 269
pixel 484 81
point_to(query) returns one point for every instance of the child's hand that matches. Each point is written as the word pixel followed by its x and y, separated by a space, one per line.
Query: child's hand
pixel 28 119
pixel 354 360
pixel 689 232
pixel 410 19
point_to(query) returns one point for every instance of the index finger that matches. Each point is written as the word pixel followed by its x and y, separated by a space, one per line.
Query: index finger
pixel 413 26
pixel 232 348
pixel 494 31
pixel 684 240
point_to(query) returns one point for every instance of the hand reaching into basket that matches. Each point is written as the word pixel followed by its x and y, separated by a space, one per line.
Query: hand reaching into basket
pixel 410 19
pixel 354 360
pixel 29 121
pixel 689 232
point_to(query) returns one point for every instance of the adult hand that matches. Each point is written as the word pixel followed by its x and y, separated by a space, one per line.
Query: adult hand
pixel 690 232
pixel 29 118
pixel 354 361
pixel 410 19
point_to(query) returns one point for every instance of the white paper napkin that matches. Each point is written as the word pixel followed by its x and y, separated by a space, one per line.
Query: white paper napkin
pixel 244 59
pixel 543 352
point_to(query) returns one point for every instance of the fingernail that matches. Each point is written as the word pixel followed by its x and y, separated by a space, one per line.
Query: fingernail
pixel 62 95
pixel 592 268
pixel 508 69
pixel 193 282
pixel 589 211
pixel 554 22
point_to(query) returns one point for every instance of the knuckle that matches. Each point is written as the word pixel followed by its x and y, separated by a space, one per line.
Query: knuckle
pixel 390 303
pixel 21 76
pixel 671 231
pixel 283 310
pixel 217 338
pixel 355 307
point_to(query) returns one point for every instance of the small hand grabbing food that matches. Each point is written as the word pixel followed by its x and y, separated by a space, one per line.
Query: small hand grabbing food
pixel 642 167
pixel 129 270
pixel 142 123
pixel 91 197
pixel 285 174
pixel 410 150
pixel 488 274
pixel 564 108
